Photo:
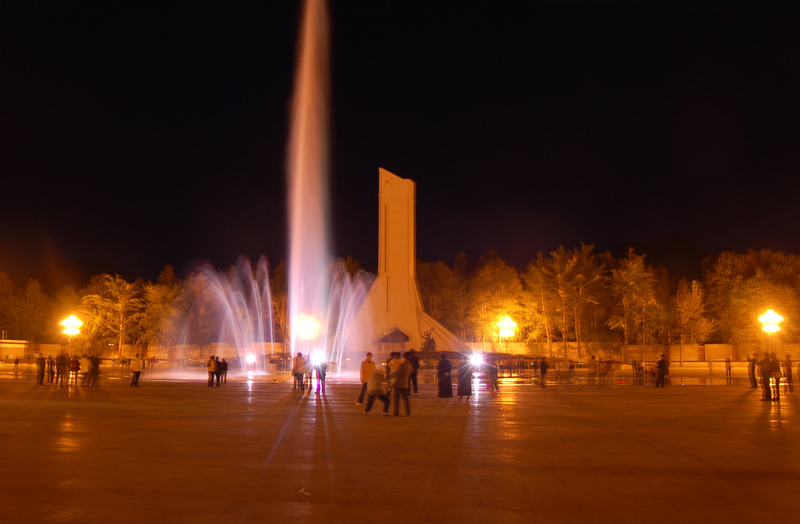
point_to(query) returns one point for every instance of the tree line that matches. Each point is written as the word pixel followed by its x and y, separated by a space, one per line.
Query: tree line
pixel 567 296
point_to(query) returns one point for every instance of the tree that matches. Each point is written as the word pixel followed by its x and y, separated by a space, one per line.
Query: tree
pixel 28 311
pixel 115 311
pixel 163 309
pixel 689 308
pixel 438 289
pixel 539 303
pixel 632 287
pixel 494 292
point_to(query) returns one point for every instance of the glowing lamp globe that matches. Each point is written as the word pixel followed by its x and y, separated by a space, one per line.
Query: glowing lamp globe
pixel 476 359
pixel 250 358
pixel 770 321
pixel 72 325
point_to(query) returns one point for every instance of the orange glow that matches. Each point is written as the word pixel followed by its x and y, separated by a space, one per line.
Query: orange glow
pixel 770 321
pixel 72 325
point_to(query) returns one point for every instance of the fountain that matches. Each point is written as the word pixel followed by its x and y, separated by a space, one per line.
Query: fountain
pixel 323 297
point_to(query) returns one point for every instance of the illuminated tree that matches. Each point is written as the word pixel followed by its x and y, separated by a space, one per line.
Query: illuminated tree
pixel 163 309
pixel 115 310
pixel 438 289
pixel 494 291
pixel 632 287
pixel 689 309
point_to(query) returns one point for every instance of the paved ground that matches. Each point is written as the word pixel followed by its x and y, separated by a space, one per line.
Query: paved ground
pixel 255 451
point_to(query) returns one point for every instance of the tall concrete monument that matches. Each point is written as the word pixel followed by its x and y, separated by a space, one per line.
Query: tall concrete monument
pixel 391 317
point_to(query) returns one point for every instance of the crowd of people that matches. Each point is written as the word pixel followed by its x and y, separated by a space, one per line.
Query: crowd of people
pixel 303 369
pixel 217 370
pixel 771 370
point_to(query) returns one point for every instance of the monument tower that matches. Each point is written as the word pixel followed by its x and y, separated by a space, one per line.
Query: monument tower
pixel 391 317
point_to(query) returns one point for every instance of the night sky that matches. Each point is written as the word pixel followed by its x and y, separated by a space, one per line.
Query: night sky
pixel 148 134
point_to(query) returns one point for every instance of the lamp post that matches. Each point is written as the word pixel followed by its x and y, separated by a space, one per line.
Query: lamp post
pixel 506 329
pixel 770 323
pixel 72 326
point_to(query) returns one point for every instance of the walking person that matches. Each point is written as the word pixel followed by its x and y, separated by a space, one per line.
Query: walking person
pixel 51 369
pixel 74 370
pixel 592 371
pixel 136 370
pixel 224 371
pixel 775 371
pixel 95 370
pixel 86 369
pixel 728 370
pixel 710 366
pixel 751 370
pixel 211 367
pixel 661 370
pixel 764 371
pixel 443 377
pixel 413 359
pixel 493 374
pixel 367 370
pixel 400 386
pixel 62 365
pixel 40 365
pixel 375 390
pixel 321 368
pixel 543 372
pixel 787 375
pixel 299 370
pixel 218 371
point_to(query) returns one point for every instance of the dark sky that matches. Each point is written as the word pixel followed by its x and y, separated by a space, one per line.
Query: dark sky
pixel 144 134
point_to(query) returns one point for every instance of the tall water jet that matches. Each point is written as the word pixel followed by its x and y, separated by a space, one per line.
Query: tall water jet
pixel 307 181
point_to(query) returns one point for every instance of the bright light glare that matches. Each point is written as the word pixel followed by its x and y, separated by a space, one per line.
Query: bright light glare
pixel 317 357
pixel 250 358
pixel 307 327
pixel 770 320
pixel 476 359
pixel 72 325
pixel 506 327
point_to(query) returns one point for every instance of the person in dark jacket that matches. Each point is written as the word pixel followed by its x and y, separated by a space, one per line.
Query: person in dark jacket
pixel 443 371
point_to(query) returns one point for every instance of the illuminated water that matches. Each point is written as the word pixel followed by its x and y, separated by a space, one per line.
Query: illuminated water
pixel 322 296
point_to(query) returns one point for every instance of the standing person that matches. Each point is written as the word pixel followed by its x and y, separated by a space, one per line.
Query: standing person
pixel 493 374
pixel 309 372
pixel 211 366
pixel 321 368
pixel 787 375
pixel 400 386
pixel 40 365
pixel 375 389
pixel 51 369
pixel 571 371
pixel 661 370
pixel 16 364
pixel 728 367
pixel 413 359
pixel 136 370
pixel 62 364
pixel 224 371
pixel 775 372
pixel 751 370
pixel 95 372
pixel 764 370
pixel 86 368
pixel 74 369
pixel 443 371
pixel 710 366
pixel 299 370
pixel 543 372
pixel 465 379
pixel 592 371
pixel 367 370
pixel 218 370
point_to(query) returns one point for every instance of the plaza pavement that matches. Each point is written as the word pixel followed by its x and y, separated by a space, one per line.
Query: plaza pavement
pixel 256 451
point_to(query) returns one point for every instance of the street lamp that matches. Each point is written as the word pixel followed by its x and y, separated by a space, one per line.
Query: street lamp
pixel 506 329
pixel 72 326
pixel 770 322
